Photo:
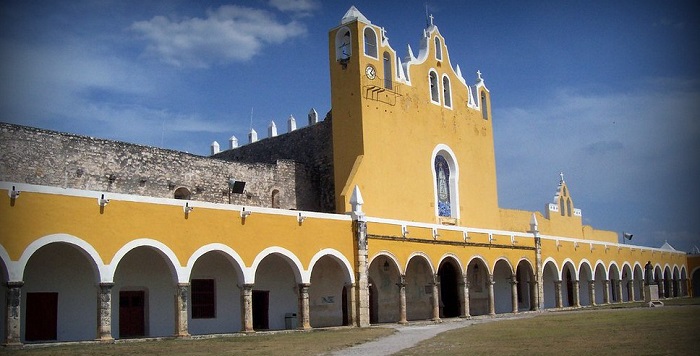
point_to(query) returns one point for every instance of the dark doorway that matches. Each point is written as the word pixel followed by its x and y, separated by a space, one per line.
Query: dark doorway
pixel 569 288
pixel 261 304
pixel 42 316
pixel 345 306
pixel 373 301
pixel 695 283
pixel 132 314
pixel 449 290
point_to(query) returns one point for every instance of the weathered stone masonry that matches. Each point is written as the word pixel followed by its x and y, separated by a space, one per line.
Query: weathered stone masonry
pixel 43 157
pixel 312 146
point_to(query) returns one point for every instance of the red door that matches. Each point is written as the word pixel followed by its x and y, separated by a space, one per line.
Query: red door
pixel 42 316
pixel 132 314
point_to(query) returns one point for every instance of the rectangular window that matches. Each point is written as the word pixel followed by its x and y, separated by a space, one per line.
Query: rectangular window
pixel 203 298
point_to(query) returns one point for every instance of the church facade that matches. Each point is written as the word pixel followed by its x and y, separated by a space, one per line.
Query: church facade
pixel 101 240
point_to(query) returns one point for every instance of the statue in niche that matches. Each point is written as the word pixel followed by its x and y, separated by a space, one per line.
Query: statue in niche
pixel 442 174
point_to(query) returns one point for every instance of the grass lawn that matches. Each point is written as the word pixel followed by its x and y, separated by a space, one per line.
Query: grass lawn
pixel 618 329
pixel 669 330
pixel 313 342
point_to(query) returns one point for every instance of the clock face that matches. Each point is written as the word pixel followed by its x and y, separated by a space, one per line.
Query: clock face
pixel 370 72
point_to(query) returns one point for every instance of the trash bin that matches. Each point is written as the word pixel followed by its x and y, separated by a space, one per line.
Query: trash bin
pixel 290 321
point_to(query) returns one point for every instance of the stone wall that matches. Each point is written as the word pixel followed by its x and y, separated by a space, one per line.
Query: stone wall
pixel 312 146
pixel 37 156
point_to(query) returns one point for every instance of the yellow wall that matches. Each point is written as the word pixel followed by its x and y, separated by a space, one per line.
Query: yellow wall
pixel 35 215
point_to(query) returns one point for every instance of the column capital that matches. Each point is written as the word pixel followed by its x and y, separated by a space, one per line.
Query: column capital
pixel 14 284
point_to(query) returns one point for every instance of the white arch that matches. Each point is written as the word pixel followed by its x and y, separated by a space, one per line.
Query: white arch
pixel 337 256
pixel 17 271
pixel 179 272
pixel 628 265
pixel 505 259
pixel 556 266
pixel 610 269
pixel 483 261
pixel 389 255
pixel 420 254
pixel 573 266
pixel 452 163
pixel 6 261
pixel 585 263
pixel 529 264
pixel 602 264
pixel 452 256
pixel 228 252
pixel 301 275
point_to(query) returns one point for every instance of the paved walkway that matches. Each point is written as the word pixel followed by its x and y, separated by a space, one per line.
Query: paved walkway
pixel 407 336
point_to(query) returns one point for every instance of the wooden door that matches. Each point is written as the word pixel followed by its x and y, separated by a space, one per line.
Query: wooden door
pixel 132 314
pixel 42 317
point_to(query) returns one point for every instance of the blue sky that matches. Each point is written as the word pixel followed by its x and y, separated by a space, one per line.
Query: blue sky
pixel 607 92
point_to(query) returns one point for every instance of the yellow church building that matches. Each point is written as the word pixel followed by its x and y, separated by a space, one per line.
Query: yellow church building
pixel 316 227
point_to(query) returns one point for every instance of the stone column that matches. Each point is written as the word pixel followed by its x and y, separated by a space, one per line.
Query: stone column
pixel 104 312
pixel 630 290
pixel 591 291
pixel 533 295
pixel 183 292
pixel 557 294
pixel 402 299
pixel 362 279
pixel 351 303
pixel 247 308
pixel 577 291
pixel 304 323
pixel 464 298
pixel 436 298
pixel 618 290
pixel 13 319
pixel 492 299
pixel 514 292
pixel 606 291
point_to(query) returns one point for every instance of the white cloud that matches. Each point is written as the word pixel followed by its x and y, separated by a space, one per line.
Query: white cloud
pixel 228 34
pixel 295 6
pixel 629 158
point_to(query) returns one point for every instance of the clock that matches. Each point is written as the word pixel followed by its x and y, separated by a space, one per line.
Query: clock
pixel 370 72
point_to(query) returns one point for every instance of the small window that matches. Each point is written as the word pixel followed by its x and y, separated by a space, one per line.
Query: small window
pixel 182 193
pixel 434 88
pixel 276 199
pixel 203 299
pixel 387 71
pixel 438 49
pixel 343 49
pixel 484 108
pixel 446 91
pixel 370 43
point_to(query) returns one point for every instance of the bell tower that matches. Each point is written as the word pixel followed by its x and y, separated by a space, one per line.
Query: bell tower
pixel 410 133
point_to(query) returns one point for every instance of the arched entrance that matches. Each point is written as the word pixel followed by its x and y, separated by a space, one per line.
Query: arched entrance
pixel 567 285
pixel 59 299
pixel 585 275
pixel 275 293
pixel 614 292
pixel 502 287
pixel 527 292
pixel 638 282
pixel 600 285
pixel 695 282
pixel 328 280
pixel 384 290
pixel 214 295
pixel 143 294
pixel 478 277
pixel 550 275
pixel 4 277
pixel 450 282
pixel 419 289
